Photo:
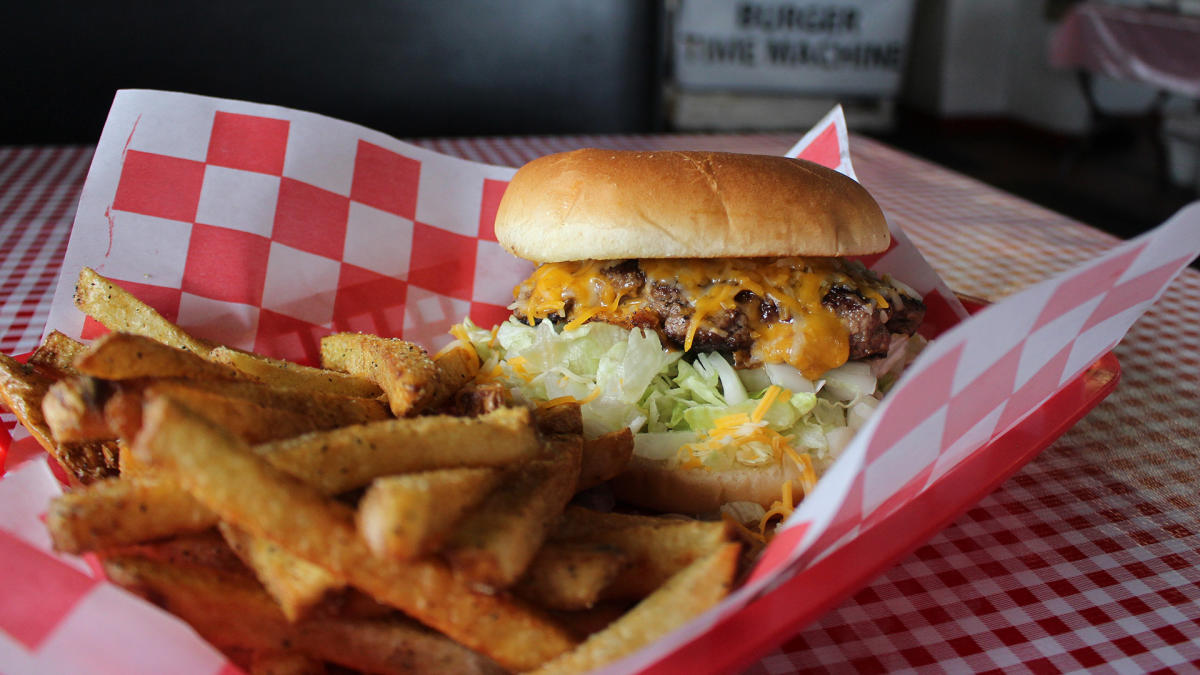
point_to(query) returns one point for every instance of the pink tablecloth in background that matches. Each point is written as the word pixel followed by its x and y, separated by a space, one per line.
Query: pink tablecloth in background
pixel 1086 560
pixel 1157 48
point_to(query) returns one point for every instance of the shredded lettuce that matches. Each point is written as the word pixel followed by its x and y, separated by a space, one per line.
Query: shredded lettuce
pixel 626 379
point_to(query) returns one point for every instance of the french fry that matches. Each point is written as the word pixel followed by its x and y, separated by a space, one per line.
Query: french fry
pixel 73 409
pixel 455 368
pixel 296 584
pixel 88 461
pixel 201 549
pixel 391 646
pixel 494 544
pixel 259 420
pixel 111 452
pixel 559 418
pixel 228 609
pixel 476 399
pixel 125 356
pixel 233 611
pixel 288 375
pixel 57 354
pixel 284 662
pixel 657 547
pixel 222 472
pixel 354 604
pixel 119 311
pixel 116 512
pixel 414 444
pixel 344 459
pixel 165 509
pixel 570 576
pixel 326 411
pixel 402 369
pixel 581 523
pixel 409 515
pixel 129 466
pixel 584 622
pixel 86 408
pixel 685 595
pixel 605 457
pixel 23 391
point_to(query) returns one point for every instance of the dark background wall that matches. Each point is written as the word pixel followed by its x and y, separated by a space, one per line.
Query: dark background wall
pixel 408 68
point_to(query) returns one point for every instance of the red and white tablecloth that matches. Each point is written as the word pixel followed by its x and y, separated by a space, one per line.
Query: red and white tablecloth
pixel 1087 560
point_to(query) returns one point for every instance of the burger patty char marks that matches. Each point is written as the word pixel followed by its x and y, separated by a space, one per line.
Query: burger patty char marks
pixel 623 294
pixel 869 334
pixel 725 330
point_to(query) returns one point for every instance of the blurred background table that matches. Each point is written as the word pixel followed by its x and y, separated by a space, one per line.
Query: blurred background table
pixel 1143 44
pixel 1146 45
pixel 1087 559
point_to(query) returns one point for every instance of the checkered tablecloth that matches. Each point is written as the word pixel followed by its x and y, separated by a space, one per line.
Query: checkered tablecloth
pixel 1088 559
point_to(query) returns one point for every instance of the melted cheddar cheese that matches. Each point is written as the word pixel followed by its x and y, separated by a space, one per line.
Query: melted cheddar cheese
pixel 801 332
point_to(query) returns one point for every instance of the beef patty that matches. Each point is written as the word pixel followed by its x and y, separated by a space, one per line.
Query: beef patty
pixel 870 308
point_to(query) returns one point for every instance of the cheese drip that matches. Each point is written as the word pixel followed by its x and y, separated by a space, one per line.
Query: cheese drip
pixel 804 333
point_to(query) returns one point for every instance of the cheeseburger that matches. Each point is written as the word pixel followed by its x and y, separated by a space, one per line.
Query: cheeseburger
pixel 704 300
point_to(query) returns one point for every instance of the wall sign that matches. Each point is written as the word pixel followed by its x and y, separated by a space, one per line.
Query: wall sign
pixel 830 47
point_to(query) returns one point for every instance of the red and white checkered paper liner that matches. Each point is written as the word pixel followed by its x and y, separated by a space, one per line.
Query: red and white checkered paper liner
pixel 266 228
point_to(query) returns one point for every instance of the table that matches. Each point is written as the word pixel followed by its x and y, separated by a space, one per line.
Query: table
pixel 1141 44
pixel 1138 44
pixel 1087 559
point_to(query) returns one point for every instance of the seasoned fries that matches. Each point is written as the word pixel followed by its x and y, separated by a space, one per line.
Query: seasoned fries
pixel 408 515
pixel 605 457
pixel 584 622
pixel 259 413
pixel 326 411
pixel 389 646
pixel 73 409
pixel 293 375
pixel 296 584
pixel 22 390
pixel 125 356
pixel 657 548
pixel 114 513
pixel 402 369
pixel 284 662
pixel 685 595
pixel 495 544
pixel 222 472
pixel 232 611
pixel 84 408
pixel 57 354
pixel 353 456
pixel 119 311
pixel 559 419
pixel 310 520
pixel 455 368
pixel 570 576
pixel 203 549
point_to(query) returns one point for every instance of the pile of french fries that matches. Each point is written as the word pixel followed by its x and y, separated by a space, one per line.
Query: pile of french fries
pixel 382 513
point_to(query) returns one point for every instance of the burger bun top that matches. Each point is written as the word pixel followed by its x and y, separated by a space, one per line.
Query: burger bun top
pixel 611 204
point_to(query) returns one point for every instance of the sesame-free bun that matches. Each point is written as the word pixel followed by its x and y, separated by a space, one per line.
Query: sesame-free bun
pixel 611 204
pixel 654 484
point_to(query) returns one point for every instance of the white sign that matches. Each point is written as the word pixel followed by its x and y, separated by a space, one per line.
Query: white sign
pixel 830 47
